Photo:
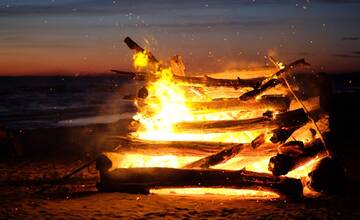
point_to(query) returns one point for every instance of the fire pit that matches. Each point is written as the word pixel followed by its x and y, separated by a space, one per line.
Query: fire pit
pixel 261 144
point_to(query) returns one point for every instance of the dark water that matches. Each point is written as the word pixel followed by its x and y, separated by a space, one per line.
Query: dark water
pixel 42 102
pixel 33 102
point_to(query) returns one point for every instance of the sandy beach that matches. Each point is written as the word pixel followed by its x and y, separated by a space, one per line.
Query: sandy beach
pixel 78 198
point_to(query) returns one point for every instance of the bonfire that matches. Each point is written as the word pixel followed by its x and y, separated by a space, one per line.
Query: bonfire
pixel 190 135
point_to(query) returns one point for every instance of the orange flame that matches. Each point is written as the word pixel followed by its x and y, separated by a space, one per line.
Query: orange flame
pixel 167 104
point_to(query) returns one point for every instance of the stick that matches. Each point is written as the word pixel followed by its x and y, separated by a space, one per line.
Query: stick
pixel 71 173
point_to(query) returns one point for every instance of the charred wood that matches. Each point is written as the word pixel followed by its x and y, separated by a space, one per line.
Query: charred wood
pixel 328 176
pixel 280 135
pixel 293 155
pixel 267 102
pixel 197 80
pixel 261 89
pixel 134 46
pixel 217 158
pixel 189 148
pixel 287 119
pixel 274 80
pixel 207 81
pixel 258 141
pixel 141 180
pixel 224 155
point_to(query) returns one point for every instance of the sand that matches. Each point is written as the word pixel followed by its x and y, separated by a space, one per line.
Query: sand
pixel 78 198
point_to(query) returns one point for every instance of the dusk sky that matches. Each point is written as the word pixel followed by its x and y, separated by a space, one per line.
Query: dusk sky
pixel 86 36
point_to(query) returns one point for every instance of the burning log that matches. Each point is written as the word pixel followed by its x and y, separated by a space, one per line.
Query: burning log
pixel 280 135
pixel 202 80
pixel 274 80
pixel 189 148
pixel 287 119
pixel 141 180
pixel 328 176
pixel 294 154
pixel 273 102
pixel 213 82
pixel 207 81
pixel 217 158
pixel 222 156
pixel 259 90
pixel 134 46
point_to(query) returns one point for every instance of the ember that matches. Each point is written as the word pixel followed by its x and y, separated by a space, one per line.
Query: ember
pixel 260 144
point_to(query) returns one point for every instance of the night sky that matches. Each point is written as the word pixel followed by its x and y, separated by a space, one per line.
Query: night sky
pixel 86 36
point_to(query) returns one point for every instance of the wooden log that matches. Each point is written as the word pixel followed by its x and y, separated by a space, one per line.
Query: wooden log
pixel 214 82
pixel 141 180
pixel 207 81
pixel 287 119
pixel 134 46
pixel 295 156
pixel 217 158
pixel 225 155
pixel 138 76
pixel 267 102
pixel 328 177
pixel 291 66
pixel 183 148
pixel 274 80
pixel 196 80
pixel 280 135
pixel 261 89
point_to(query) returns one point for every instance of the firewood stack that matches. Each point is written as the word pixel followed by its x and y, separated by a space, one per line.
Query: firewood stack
pixel 283 118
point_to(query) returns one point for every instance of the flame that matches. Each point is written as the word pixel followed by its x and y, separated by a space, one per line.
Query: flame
pixel 141 59
pixel 168 103
pixel 253 194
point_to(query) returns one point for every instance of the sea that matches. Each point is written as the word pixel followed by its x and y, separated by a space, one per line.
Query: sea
pixel 30 102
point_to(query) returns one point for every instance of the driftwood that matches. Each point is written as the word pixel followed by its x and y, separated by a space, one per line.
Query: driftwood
pixel 224 155
pixel 134 46
pixel 187 148
pixel 291 66
pixel 287 119
pixel 197 80
pixel 141 180
pixel 267 102
pixel 261 89
pixel 217 158
pixel 200 80
pixel 280 135
pixel 207 81
pixel 328 176
pixel 293 155
pixel 273 81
